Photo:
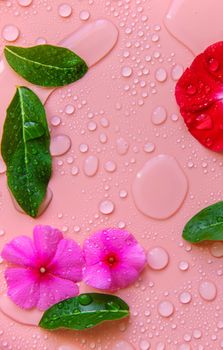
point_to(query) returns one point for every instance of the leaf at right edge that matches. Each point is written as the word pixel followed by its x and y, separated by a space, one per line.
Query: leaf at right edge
pixel 25 150
pixel 84 311
pixel 207 225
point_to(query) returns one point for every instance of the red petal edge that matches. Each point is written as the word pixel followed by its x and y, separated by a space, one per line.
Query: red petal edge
pixel 199 94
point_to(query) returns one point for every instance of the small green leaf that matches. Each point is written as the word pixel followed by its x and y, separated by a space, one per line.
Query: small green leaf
pixel 207 225
pixel 25 150
pixel 84 311
pixel 46 65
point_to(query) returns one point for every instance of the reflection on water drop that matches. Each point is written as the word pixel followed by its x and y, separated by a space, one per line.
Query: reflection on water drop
pixel 91 165
pixel 122 345
pixel 159 187
pixel 159 115
pixel 106 207
pixel 60 144
pixel 165 308
pixel 10 33
pixel 157 258
pixel 208 290
pixel 65 10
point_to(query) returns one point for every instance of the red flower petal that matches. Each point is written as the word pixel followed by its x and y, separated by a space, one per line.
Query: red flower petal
pixel 199 93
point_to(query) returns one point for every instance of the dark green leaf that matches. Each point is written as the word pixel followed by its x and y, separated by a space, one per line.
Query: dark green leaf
pixel 207 225
pixel 84 311
pixel 25 150
pixel 46 65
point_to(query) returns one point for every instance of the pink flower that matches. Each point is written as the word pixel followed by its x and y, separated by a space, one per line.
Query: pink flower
pixel 44 270
pixel 114 259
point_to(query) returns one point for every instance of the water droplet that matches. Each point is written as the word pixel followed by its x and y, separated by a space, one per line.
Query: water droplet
pixel 160 346
pixel 65 10
pixel 159 115
pixel 185 297
pixel 91 165
pixel 217 249
pixel 126 72
pixel 123 194
pixel 122 345
pixel 92 126
pixel 10 33
pixel 69 109
pixel 165 308
pixel 83 147
pixel 144 345
pixel 25 2
pixel 55 120
pixel 177 72
pixel 184 347
pixel 40 41
pixel 213 64
pixel 191 89
pixel 106 207
pixel 84 15
pixel 157 258
pixel 183 265
pixel 161 75
pixel 208 290
pixel 197 334
pixel 110 166
pixel 60 144
pixel 160 187
pixel 122 146
pixel 204 122
pixel 149 147
pixel 74 170
pixel 85 299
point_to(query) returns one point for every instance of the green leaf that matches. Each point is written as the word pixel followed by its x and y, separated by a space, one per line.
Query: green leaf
pixel 25 150
pixel 46 65
pixel 207 225
pixel 84 311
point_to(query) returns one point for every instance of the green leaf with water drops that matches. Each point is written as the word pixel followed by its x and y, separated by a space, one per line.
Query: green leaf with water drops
pixel 84 311
pixel 25 150
pixel 207 225
pixel 46 65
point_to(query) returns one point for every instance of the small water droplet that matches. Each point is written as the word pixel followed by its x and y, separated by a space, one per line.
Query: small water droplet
pixel 83 147
pixel 191 89
pixel 85 299
pixel 217 249
pixel 161 75
pixel 208 290
pixel 55 120
pixel 69 109
pixel 24 2
pixel 157 258
pixel 165 308
pixel 65 10
pixel 159 115
pixel 183 265
pixel 185 297
pixel 149 147
pixel 126 72
pixel 60 144
pixel 106 207
pixel 177 72
pixel 10 33
pixel 84 15
pixel 213 64
pixel 144 345
pixel 91 165
pixel 122 146
pixel 110 166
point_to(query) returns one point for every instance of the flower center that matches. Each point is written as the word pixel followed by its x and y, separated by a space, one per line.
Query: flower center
pixel 42 270
pixel 111 260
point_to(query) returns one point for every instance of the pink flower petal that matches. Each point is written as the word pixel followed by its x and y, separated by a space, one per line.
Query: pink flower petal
pixel 94 249
pixel 117 241
pixel 135 257
pixel 54 289
pixel 68 261
pixel 46 240
pixel 23 287
pixel 122 276
pixel 20 251
pixel 97 276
